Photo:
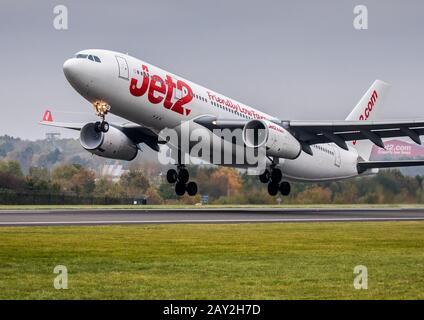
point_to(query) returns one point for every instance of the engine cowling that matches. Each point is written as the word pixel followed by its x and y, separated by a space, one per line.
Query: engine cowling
pixel 113 144
pixel 278 141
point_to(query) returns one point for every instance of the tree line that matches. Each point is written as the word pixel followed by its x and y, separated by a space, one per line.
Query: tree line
pixel 223 185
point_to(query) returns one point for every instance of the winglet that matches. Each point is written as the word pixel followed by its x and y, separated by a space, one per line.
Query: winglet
pixel 47 117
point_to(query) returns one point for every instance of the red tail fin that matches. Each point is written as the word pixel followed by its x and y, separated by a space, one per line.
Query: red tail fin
pixel 48 116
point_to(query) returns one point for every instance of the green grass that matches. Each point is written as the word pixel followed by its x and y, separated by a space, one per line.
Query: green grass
pixel 247 261
pixel 182 206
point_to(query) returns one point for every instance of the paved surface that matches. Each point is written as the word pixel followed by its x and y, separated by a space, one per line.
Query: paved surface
pixel 174 216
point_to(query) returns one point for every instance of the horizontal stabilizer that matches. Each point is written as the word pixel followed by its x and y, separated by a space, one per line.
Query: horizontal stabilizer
pixel 363 166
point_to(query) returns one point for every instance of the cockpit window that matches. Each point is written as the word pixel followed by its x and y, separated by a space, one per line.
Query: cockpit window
pixel 90 57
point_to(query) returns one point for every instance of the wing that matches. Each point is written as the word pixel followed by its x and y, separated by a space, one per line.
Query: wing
pixel 138 134
pixel 48 121
pixel 66 125
pixel 315 132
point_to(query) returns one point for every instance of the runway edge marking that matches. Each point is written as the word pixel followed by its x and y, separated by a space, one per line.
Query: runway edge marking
pixel 115 222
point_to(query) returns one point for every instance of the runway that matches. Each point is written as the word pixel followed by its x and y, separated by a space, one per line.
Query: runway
pixel 193 216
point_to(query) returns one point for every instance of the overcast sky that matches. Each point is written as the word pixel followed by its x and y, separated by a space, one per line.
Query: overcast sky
pixel 293 59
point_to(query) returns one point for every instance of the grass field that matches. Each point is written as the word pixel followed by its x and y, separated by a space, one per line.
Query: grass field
pixel 248 261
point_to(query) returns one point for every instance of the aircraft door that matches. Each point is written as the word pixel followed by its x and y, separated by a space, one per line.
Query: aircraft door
pixel 337 157
pixel 122 67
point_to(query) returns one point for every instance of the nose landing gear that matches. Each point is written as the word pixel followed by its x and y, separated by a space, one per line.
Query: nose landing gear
pixel 181 178
pixel 102 126
pixel 101 108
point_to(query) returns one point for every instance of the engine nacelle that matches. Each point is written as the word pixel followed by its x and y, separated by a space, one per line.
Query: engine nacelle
pixel 278 141
pixel 113 144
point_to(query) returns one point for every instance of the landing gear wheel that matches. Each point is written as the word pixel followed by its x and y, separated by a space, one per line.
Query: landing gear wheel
pixel 272 189
pixel 276 175
pixel 171 176
pixel 192 189
pixel 101 108
pixel 183 175
pixel 180 189
pixel 285 188
pixel 264 177
pixel 104 126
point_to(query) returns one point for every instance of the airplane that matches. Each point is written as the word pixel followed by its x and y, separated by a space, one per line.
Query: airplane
pixel 152 99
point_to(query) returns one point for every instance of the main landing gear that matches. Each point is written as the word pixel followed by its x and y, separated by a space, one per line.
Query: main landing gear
pixel 273 177
pixel 180 177
pixel 101 108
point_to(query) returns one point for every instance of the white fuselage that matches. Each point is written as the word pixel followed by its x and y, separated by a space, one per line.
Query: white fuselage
pixel 153 98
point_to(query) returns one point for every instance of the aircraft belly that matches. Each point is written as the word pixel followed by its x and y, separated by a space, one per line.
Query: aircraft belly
pixel 320 167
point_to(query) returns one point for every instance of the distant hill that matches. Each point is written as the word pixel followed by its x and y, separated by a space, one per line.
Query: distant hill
pixel 47 153
pixel 50 153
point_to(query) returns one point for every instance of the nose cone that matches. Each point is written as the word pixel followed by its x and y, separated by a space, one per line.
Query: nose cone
pixel 77 74
pixel 70 70
pixel 84 75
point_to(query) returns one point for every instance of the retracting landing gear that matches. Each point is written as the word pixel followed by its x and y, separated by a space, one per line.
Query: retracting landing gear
pixel 101 108
pixel 284 188
pixel 273 177
pixel 180 177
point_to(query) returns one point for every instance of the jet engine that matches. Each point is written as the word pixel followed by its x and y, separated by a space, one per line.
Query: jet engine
pixel 113 144
pixel 278 141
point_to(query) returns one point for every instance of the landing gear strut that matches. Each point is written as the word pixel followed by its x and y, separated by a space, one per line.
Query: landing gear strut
pixel 181 177
pixel 101 108
pixel 273 177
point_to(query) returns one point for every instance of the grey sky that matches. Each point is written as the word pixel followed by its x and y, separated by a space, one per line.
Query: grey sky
pixel 293 59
